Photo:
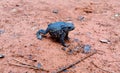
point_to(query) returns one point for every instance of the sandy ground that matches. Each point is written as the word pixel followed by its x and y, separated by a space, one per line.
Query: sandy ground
pixel 94 20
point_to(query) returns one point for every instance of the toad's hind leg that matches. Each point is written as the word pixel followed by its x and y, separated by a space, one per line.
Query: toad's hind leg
pixel 38 34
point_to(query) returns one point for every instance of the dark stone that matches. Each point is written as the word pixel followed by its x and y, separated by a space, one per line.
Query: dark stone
pixel 86 49
pixel 2 56
pixel 55 11
pixel 76 40
pixel 39 65
pixel 80 18
pixel 2 31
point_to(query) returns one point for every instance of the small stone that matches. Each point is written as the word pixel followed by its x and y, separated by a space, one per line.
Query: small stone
pixel 17 5
pixel 1 31
pixel 105 41
pixel 80 18
pixel 76 40
pixel 14 10
pixel 34 60
pixel 39 65
pixel 2 56
pixel 116 15
pixel 55 11
pixel 30 57
pixel 86 49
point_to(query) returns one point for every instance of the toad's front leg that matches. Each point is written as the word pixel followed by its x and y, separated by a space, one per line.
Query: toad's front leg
pixel 62 38
pixel 66 37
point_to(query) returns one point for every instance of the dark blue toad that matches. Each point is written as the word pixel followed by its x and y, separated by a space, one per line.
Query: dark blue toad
pixel 57 30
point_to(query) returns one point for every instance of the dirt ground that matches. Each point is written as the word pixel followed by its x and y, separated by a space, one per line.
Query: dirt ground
pixel 94 20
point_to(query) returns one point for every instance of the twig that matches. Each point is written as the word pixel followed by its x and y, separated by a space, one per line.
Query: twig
pixel 100 68
pixel 112 61
pixel 73 64
pixel 21 64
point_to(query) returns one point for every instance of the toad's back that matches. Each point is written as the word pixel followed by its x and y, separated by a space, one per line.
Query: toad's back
pixel 56 26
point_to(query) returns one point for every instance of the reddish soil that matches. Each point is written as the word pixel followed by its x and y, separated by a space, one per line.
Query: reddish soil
pixel 21 19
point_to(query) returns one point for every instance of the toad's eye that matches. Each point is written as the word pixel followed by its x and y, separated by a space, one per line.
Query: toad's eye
pixel 69 27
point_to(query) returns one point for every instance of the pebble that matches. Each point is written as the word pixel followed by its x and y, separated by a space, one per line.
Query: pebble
pixel 30 57
pixel 17 5
pixel 14 10
pixel 116 15
pixel 2 56
pixel 55 11
pixel 39 65
pixel 34 60
pixel 76 40
pixel 1 31
pixel 105 41
pixel 80 18
pixel 86 49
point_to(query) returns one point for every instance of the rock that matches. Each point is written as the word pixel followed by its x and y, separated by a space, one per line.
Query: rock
pixel 105 41
pixel 34 60
pixel 116 15
pixel 14 10
pixel 2 31
pixel 2 56
pixel 86 49
pixel 55 11
pixel 17 5
pixel 76 40
pixel 30 57
pixel 39 65
pixel 80 18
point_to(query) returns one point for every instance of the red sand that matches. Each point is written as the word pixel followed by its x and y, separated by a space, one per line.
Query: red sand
pixel 21 19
